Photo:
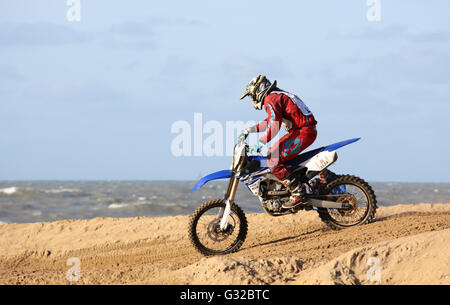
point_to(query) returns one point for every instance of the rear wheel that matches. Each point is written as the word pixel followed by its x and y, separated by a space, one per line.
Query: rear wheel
pixel 205 233
pixel 358 198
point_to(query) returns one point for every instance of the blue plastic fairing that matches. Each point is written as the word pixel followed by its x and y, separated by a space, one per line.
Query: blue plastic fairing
pixel 214 176
pixel 338 145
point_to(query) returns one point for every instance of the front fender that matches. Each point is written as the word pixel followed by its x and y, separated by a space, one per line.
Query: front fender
pixel 214 176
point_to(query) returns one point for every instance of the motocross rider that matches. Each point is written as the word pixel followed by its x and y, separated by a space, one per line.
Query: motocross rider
pixel 288 111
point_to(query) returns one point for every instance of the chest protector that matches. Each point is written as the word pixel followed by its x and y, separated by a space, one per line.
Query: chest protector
pixel 297 101
pixel 287 124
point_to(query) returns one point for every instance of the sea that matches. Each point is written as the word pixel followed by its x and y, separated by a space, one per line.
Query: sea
pixel 43 201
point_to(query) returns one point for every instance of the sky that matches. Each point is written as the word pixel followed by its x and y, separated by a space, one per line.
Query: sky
pixel 96 99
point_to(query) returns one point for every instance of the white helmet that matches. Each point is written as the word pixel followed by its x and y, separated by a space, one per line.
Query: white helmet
pixel 257 88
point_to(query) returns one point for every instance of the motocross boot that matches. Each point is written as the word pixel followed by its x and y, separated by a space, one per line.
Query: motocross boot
pixel 295 189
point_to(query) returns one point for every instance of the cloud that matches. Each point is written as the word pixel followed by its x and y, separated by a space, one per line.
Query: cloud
pixel 133 29
pixel 74 92
pixel 369 33
pixel 409 67
pixel 10 77
pixel 40 34
pixel 432 36
pixel 10 73
pixel 127 43
pixel 249 67
pixel 414 68
pixel 176 67
pixel 132 35
pixel 391 32
pixel 168 22
pixel 132 65
pixel 127 35
pixel 404 90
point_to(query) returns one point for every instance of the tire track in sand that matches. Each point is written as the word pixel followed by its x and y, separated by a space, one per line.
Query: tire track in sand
pixel 148 260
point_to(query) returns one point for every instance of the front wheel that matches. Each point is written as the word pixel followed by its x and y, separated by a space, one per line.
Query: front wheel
pixel 205 233
pixel 358 197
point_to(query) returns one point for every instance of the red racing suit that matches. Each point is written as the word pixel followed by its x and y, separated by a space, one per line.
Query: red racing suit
pixel 286 110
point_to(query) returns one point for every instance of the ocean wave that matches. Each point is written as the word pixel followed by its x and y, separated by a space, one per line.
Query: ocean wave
pixel 126 205
pixel 3 223
pixel 9 190
pixel 142 203
pixel 118 205
pixel 28 191
pixel 62 190
pixel 173 204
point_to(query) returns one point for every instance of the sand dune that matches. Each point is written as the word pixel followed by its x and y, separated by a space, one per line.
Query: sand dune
pixel 410 242
pixel 417 259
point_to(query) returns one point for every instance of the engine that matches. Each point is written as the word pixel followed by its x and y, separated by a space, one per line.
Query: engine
pixel 274 194
pixel 273 205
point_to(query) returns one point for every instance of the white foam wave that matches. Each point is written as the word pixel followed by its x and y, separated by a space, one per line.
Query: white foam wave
pixel 140 203
pixel 61 190
pixel 2 223
pixel 118 205
pixel 129 204
pixel 174 204
pixel 9 190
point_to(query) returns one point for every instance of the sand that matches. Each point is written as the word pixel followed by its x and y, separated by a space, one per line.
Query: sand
pixel 407 244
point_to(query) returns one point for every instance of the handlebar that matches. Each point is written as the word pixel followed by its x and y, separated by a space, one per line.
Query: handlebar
pixel 241 139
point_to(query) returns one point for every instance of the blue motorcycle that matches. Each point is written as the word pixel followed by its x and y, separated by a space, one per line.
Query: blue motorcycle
pixel 219 226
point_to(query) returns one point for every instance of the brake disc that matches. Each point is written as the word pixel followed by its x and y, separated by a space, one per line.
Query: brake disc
pixel 216 234
pixel 350 201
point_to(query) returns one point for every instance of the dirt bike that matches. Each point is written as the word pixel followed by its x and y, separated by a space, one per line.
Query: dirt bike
pixel 219 226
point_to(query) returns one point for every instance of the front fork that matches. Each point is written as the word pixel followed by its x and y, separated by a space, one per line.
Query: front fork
pixel 224 212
